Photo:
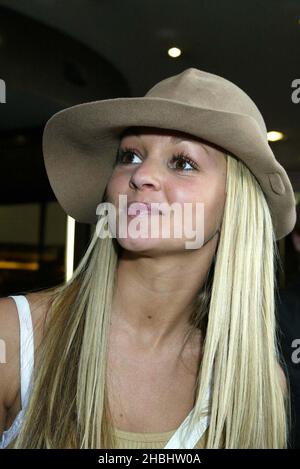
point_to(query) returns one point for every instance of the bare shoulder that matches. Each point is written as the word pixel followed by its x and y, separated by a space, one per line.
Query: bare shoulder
pixel 10 338
pixel 39 303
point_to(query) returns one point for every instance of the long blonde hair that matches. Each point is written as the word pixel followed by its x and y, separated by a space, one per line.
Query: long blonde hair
pixel 235 309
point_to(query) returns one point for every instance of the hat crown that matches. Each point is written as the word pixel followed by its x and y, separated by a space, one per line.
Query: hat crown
pixel 203 89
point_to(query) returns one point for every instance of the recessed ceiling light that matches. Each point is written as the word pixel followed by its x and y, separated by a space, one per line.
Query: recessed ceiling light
pixel 174 52
pixel 275 135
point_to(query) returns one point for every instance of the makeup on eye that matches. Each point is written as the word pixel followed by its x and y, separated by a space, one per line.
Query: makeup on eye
pixel 177 156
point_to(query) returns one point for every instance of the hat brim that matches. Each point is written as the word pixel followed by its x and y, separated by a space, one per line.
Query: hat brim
pixel 80 145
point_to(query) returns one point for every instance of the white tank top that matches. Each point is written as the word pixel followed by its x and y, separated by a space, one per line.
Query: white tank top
pixel 178 440
pixel 26 365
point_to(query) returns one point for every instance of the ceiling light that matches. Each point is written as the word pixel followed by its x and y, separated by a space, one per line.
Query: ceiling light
pixel 174 52
pixel 275 135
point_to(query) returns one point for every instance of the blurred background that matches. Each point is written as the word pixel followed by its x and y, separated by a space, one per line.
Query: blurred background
pixel 55 54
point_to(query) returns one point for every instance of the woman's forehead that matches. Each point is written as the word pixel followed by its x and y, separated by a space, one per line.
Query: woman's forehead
pixel 175 135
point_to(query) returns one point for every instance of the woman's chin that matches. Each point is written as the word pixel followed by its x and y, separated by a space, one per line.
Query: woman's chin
pixel 139 244
pixel 152 246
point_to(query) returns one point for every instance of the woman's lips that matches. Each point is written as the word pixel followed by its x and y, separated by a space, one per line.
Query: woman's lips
pixel 139 209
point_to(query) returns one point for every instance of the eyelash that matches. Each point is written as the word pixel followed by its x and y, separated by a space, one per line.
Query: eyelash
pixel 181 155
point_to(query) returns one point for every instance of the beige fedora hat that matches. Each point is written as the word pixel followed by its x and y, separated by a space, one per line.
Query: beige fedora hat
pixel 80 143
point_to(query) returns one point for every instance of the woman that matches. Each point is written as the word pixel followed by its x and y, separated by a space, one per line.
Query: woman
pixel 148 333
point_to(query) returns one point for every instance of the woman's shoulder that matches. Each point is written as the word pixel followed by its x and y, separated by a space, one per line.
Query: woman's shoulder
pixel 39 303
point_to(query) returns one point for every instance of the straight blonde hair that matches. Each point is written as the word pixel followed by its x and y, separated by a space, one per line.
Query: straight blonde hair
pixel 235 310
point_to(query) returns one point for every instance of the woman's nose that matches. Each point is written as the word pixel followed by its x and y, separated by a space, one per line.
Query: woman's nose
pixel 147 173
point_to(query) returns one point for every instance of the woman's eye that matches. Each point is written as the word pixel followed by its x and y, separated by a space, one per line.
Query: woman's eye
pixel 125 157
pixel 184 159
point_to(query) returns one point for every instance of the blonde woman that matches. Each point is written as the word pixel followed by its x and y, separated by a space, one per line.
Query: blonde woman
pixel 153 343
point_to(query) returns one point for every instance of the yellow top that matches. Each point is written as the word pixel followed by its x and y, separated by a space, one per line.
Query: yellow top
pixel 131 440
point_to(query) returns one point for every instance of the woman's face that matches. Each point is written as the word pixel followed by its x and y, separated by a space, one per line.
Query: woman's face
pixel 149 168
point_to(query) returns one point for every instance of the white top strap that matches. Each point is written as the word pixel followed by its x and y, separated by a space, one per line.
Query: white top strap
pixel 179 440
pixel 26 346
